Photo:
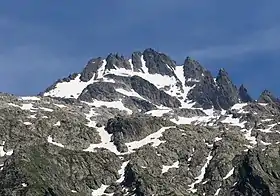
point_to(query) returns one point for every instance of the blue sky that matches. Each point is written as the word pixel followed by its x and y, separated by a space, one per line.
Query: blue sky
pixel 41 41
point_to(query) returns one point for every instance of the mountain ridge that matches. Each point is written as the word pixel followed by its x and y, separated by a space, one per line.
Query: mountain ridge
pixel 140 127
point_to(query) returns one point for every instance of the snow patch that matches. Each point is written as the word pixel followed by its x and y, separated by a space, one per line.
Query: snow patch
pixel 30 98
pixel 24 185
pixel 121 172
pixel 158 113
pixel 3 153
pixel 217 139
pixel 131 93
pixel 27 123
pixel 57 123
pixel 202 173
pixel 59 105
pixel 100 191
pixel 248 136
pixel 230 173
pixel 50 140
pixel 238 106
pixel 46 109
pixel 165 168
pixel 265 143
pixel 234 121
pixel 71 89
pixel 152 138
pixel 105 142
pixel 217 192
pixel 110 104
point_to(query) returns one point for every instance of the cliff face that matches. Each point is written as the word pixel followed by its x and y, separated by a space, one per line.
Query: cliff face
pixel 140 126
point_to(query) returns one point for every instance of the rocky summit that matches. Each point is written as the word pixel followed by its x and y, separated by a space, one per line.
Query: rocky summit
pixel 140 126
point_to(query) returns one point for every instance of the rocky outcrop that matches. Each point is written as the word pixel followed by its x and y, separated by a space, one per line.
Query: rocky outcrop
pixel 158 62
pixel 244 95
pixel 151 92
pixel 116 61
pixel 267 97
pixel 257 173
pixel 91 69
pixel 194 71
pixel 128 129
pixel 208 92
pixel 136 61
pixel 45 170
pixel 100 91
pixel 227 92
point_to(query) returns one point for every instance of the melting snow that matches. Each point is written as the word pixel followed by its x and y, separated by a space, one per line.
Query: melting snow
pixel 100 191
pixel 24 185
pixel 32 116
pixel 217 192
pixel 27 123
pixel 265 143
pixel 238 106
pixel 202 173
pixel 267 120
pixel 179 71
pixel 30 98
pixel 57 123
pixel 234 121
pixel 152 138
pixel 230 173
pixel 105 142
pixel 110 104
pixel 26 106
pixel 3 153
pixel 50 140
pixel 131 93
pixel 165 168
pixel 59 105
pixel 71 89
pixel 46 109
pixel 185 120
pixel 121 172
pixel 158 112
pixel 248 136
pixel 217 139
pixel 268 130
pixel 104 135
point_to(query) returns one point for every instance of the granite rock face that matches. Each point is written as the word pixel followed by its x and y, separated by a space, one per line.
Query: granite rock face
pixel 158 62
pixel 91 69
pixel 244 95
pixel 142 126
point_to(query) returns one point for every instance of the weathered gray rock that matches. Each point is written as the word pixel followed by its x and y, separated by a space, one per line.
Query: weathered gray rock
pixel 115 60
pixel 244 95
pixel 91 69
pixel 158 62
pixel 151 92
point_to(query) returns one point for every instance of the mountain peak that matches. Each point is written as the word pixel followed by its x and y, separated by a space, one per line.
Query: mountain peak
pixel 268 97
pixel 194 70
pixel 244 95
pixel 114 61
pixel 158 63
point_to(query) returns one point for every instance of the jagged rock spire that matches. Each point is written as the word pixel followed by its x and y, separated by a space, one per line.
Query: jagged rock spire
pixel 193 69
pixel 92 66
pixel 244 95
pixel 118 61
pixel 267 97
pixel 158 62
